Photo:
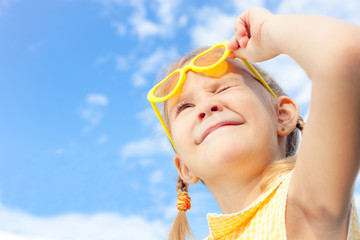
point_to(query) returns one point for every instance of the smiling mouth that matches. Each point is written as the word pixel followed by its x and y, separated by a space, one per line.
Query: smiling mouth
pixel 217 126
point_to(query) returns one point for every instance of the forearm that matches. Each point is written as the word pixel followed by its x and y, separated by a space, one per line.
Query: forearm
pixel 322 46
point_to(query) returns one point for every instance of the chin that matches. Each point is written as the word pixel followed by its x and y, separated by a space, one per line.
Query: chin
pixel 229 151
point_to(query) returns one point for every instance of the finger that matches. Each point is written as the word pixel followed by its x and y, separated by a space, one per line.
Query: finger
pixel 243 42
pixel 240 30
pixel 238 53
pixel 233 44
pixel 232 55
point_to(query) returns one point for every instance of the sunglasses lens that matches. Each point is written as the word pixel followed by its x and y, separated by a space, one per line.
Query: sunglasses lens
pixel 210 58
pixel 167 86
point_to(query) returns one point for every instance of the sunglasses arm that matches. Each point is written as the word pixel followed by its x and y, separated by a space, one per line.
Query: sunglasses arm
pixel 158 114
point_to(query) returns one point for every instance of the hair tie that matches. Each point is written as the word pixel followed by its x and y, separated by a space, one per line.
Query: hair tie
pixel 183 202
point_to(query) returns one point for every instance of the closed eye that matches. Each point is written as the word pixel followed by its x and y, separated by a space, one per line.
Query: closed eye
pixel 225 88
pixel 182 106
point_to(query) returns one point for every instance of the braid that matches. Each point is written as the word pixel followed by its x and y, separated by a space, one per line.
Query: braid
pixel 300 123
pixel 181 186
pixel 180 228
pixel 292 138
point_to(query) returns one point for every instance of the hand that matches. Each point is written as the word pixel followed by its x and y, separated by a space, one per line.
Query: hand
pixel 250 40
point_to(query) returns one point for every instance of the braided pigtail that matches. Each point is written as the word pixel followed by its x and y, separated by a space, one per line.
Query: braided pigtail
pixel 180 228
pixel 300 124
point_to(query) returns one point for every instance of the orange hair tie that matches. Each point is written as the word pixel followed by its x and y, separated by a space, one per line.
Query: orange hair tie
pixel 183 202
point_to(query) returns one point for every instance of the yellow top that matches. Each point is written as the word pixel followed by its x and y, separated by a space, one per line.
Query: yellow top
pixel 264 218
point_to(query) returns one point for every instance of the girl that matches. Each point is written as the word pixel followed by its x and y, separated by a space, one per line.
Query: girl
pixel 236 132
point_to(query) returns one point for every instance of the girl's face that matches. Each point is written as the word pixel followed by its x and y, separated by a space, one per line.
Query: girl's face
pixel 223 124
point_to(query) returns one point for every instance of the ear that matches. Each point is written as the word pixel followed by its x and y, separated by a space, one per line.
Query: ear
pixel 184 171
pixel 287 115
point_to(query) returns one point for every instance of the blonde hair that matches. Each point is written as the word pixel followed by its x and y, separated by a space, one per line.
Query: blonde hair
pixel 180 228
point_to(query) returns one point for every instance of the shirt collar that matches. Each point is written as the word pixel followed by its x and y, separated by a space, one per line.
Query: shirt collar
pixel 223 224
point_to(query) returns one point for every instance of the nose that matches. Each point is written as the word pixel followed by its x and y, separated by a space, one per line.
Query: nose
pixel 208 108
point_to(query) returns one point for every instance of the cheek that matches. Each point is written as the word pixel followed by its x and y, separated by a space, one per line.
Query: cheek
pixel 180 133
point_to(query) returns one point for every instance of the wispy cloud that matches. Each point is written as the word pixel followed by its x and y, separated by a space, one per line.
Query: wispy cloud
pixel 146 147
pixel 292 78
pixel 164 26
pixel 96 99
pixel 16 225
pixel 120 28
pixel 157 177
pixel 140 23
pixel 220 26
pixel 12 236
pixel 102 139
pixel 151 64
pixel 345 9
pixel 211 30
pixel 138 79
pixel 91 115
pixel 241 6
pixel 93 111
pixel 122 63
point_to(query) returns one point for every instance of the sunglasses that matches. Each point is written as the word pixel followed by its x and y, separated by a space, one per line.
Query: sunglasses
pixel 205 61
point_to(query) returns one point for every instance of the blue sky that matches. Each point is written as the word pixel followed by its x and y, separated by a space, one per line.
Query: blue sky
pixel 82 155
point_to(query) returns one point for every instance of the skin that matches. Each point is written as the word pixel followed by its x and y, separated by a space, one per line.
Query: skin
pixel 226 156
pixel 322 184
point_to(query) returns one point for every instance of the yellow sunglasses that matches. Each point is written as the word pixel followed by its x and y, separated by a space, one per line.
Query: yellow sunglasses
pixel 205 61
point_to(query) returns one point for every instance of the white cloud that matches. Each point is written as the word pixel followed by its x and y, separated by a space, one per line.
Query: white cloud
pixel 152 64
pixel 97 99
pixel 183 20
pixel 145 28
pixel 146 147
pixel 241 6
pixel 357 201
pixel 157 177
pixel 148 118
pixel 138 79
pixel 93 116
pixel 102 139
pixel 304 95
pixel 122 63
pixel 212 26
pixel 140 23
pixel 94 111
pixel 16 225
pixel 146 162
pixel 345 9
pixel 286 72
pixel 291 77
pixel 120 28
pixel 166 10
pixel 164 26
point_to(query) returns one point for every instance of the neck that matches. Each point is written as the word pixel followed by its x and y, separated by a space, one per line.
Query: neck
pixel 237 195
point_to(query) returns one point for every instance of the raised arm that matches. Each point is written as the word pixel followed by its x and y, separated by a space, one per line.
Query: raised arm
pixel 329 51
